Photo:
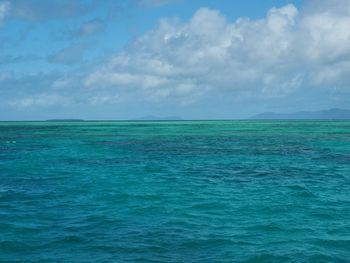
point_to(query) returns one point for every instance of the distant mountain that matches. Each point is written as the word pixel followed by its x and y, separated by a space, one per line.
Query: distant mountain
pixel 332 114
pixel 157 118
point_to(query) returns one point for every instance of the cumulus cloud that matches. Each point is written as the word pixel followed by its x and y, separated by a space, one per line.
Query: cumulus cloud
pixel 275 56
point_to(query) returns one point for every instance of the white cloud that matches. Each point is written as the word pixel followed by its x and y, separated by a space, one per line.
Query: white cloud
pixel 103 99
pixel 41 100
pixel 275 56
pixel 280 18
pixel 90 27
pixel 4 9
pixel 62 83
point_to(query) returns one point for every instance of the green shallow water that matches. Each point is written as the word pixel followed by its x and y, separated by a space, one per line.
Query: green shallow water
pixel 218 191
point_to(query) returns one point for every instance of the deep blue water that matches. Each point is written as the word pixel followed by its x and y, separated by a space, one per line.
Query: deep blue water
pixel 220 191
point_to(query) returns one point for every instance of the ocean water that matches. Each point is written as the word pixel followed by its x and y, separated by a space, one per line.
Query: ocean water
pixel 192 191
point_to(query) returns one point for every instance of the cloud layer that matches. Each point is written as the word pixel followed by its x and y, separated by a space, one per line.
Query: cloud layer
pixel 290 59
pixel 270 57
pixel 42 10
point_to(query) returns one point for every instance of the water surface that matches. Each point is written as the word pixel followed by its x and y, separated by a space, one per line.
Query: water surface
pixel 201 191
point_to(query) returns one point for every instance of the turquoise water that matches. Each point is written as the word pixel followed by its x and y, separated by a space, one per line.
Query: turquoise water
pixel 220 191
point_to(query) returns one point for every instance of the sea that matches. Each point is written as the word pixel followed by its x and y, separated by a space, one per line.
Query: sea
pixel 175 191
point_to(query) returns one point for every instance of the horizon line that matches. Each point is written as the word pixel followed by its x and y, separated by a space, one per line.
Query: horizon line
pixel 140 120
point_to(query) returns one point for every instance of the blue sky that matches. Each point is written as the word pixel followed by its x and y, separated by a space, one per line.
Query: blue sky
pixel 194 59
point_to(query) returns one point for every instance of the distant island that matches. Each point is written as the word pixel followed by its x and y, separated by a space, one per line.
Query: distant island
pixel 331 114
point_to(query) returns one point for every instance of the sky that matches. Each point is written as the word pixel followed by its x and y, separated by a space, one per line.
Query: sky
pixel 195 59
